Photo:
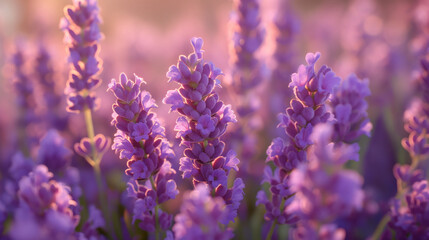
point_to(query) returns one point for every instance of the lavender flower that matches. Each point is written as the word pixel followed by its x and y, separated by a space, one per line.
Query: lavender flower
pixel 247 73
pixel 52 99
pixel 199 216
pixel 417 125
pixel 140 140
pixel 25 100
pixel 246 40
pixel 324 191
pixel 411 221
pixel 82 36
pixel 350 110
pixel 204 120
pixel 312 90
pixel 308 109
pixel 46 209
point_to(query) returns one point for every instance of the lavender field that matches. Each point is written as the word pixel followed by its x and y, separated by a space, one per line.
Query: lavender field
pixel 214 119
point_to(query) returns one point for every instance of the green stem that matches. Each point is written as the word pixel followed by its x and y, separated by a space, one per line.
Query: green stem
pixel 95 161
pixel 270 233
pixel 380 228
pixel 157 232
pixel 101 195
pixel 90 130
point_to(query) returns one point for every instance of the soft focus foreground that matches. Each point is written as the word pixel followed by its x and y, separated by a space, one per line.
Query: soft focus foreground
pixel 243 119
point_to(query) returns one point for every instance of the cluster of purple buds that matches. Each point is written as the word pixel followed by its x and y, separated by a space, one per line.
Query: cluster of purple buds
pixel 417 125
pixel 204 120
pixel 25 98
pixel 53 154
pixel 246 40
pixel 200 215
pixel 350 110
pixel 52 99
pixel 324 191
pixel 140 139
pixel 46 209
pixel 312 90
pixel 411 221
pixel 82 36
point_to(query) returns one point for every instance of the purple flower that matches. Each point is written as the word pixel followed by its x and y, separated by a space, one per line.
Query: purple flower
pixel 411 220
pixel 52 98
pixel 46 209
pixel 53 153
pixel 140 139
pixel 199 216
pixel 311 90
pixel 417 126
pixel 206 125
pixel 24 89
pixel 82 37
pixel 204 120
pixel 247 38
pixel 174 99
pixel 324 191
pixel 350 110
pixel 406 175
pixel 147 197
pixel 139 134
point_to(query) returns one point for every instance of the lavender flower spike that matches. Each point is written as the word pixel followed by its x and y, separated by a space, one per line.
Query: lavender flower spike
pixel 350 110
pixel 411 221
pixel 246 40
pixel 204 120
pixel 24 88
pixel 311 92
pixel 140 140
pixel 82 37
pixel 52 98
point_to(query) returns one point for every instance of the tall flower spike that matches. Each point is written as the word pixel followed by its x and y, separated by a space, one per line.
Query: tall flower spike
pixel 246 74
pixel 46 210
pixel 24 88
pixel 246 40
pixel 140 139
pixel 311 92
pixel 52 99
pixel 204 120
pixel 82 37
pixel 350 110
pixel 411 221
pixel 409 214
